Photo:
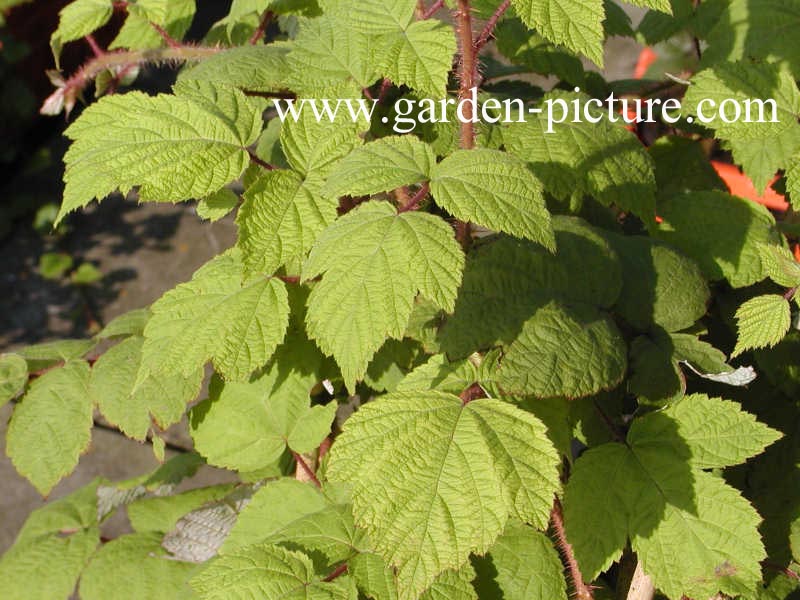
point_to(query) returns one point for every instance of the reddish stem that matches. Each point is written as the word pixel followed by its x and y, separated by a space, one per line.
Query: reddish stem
pixel 466 72
pixel 385 85
pixel 473 392
pixel 261 163
pixel 483 38
pixel 582 591
pixel 433 9
pixel 304 466
pixel 96 49
pixel 340 570
pixel 258 34
pixel 168 39
pixel 414 202
pixel 791 293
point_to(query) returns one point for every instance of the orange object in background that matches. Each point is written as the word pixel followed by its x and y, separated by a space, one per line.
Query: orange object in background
pixel 739 184
pixel 646 58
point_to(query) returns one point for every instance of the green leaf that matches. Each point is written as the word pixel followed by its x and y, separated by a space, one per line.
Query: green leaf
pixel 452 585
pixel 718 544
pixel 564 350
pixel 161 513
pixel 13 376
pixel 185 146
pixel 523 564
pixel 163 398
pixel 743 32
pixel 382 166
pixel 186 329
pixel 52 548
pixel 268 571
pixel 434 479
pixel 375 261
pixel 314 147
pixel 660 285
pixel 280 220
pixel 420 56
pixel 721 232
pixel 126 324
pixel 54 265
pixel 694 534
pixel 762 321
pixel 329 58
pixel 46 354
pixel 78 19
pixel 261 417
pixel 718 432
pixel 599 159
pixel 753 143
pixel 85 274
pixel 655 377
pixel 51 426
pixel 254 68
pixel 515 290
pixel 138 33
pixel 576 24
pixel 493 189
pixel 141 563
pixel 681 165
pixel 217 205
pixel 781 265
pixel 296 514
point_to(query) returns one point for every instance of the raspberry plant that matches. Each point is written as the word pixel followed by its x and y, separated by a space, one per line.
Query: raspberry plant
pixel 473 361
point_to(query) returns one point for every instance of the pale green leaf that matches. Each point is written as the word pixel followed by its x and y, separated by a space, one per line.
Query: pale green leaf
pixel 13 376
pixel 217 205
pixel 296 514
pixel 246 426
pixel 718 432
pixel 523 564
pixel 493 189
pixel 769 101
pixel 315 146
pixel 374 261
pixel 173 147
pixel 161 513
pixel 46 354
pixel 573 159
pixel 721 232
pixel 576 24
pixel 452 585
pixel 660 285
pixel 253 68
pixel 138 33
pixel 51 426
pixel 419 56
pixel 761 322
pixel 329 58
pixel 133 408
pixel 126 324
pixel 694 534
pixel 434 479
pixel 781 265
pixel 564 350
pixel 267 571
pixel 717 544
pixel 382 166
pixel 78 19
pixel 280 219
pixel 760 32
pixel 141 563
pixel 186 329
pixel 52 548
